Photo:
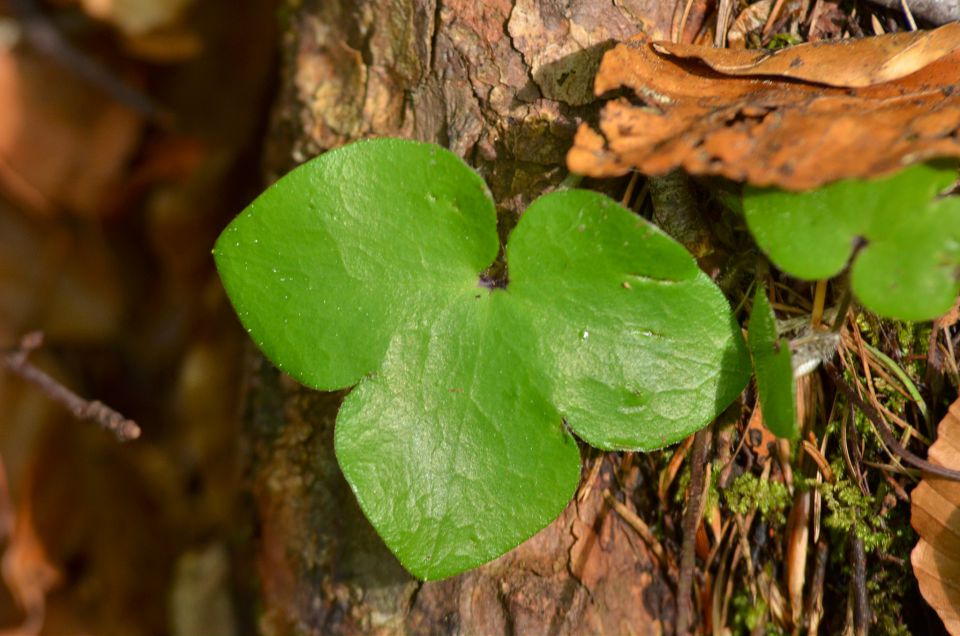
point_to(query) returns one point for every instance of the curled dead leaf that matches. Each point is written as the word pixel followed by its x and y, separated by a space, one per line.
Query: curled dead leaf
pixel 777 132
pixel 935 515
pixel 844 63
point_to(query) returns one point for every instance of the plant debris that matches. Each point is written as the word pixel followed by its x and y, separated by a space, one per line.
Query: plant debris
pixel 774 123
pixel 844 63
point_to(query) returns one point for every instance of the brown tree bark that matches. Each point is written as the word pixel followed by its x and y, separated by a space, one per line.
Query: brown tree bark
pixel 503 83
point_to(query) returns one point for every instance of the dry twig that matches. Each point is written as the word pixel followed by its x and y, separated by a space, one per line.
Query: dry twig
pixel 884 430
pixel 95 411
pixel 691 519
pixel 815 604
pixel 861 602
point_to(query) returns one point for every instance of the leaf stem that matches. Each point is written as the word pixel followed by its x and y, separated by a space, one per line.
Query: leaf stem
pixel 819 299
pixel 841 316
pixel 676 211
pixel 572 180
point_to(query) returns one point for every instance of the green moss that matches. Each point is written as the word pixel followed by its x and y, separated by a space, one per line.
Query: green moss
pixel 713 491
pixel 748 493
pixel 848 508
pixel 783 40
pixel 886 588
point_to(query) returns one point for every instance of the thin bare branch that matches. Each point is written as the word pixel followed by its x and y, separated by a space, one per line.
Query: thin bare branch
pixel 95 411
pixel 884 430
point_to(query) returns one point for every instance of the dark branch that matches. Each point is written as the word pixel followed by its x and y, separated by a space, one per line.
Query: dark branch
pixel 861 600
pixel 699 456
pixel 884 429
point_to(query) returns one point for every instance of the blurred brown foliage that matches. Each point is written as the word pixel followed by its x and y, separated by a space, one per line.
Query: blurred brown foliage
pixel 107 216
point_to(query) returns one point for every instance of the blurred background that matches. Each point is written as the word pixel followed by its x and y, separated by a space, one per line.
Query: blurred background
pixel 130 133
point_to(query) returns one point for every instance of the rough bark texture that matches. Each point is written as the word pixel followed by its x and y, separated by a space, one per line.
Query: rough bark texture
pixel 503 83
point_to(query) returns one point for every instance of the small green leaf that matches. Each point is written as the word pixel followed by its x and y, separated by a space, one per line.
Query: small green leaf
pixel 908 266
pixel 774 370
pixel 364 265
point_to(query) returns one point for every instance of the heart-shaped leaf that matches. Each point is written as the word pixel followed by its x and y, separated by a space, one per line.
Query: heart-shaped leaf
pixel 774 370
pixel 907 268
pixel 365 264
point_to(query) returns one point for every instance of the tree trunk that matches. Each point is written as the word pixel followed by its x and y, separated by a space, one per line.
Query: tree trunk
pixel 502 83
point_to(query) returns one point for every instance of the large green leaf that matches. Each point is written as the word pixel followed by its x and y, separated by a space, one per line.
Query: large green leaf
pixel 327 263
pixel 774 370
pixel 907 268
pixel 364 265
pixel 641 345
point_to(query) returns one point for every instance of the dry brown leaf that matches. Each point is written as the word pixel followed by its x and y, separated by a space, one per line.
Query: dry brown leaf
pixel 27 571
pixel 845 63
pixel 935 515
pixel 770 132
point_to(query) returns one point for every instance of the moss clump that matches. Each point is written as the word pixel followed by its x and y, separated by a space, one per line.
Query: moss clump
pixel 748 493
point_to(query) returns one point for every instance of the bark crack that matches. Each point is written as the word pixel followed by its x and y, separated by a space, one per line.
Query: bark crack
pixel 434 35
pixel 516 48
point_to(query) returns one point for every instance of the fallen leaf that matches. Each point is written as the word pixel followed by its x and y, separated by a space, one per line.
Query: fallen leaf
pixel 759 438
pixel 846 63
pixel 689 21
pixel 936 518
pixel 771 132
